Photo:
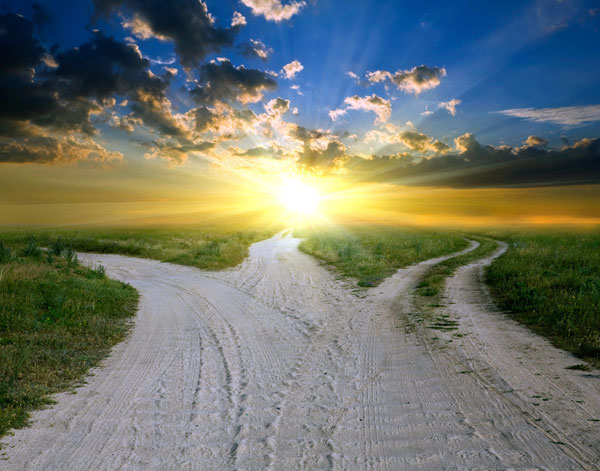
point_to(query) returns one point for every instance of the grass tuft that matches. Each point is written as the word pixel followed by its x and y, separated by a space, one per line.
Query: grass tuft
pixel 371 254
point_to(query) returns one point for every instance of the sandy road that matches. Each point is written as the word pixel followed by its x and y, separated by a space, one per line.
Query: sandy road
pixel 277 365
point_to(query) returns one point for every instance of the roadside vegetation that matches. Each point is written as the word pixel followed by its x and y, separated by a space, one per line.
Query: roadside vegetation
pixel 201 247
pixel 550 281
pixel 372 253
pixel 57 319
pixel 430 289
pixel 433 282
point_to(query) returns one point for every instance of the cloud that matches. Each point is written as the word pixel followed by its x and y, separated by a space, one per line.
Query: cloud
pixel 238 19
pixel 221 81
pixel 420 142
pixel 103 67
pixel 223 122
pixel 480 165
pixel 353 76
pixel 29 98
pixel 380 106
pixel 274 10
pixel 256 48
pixel 45 149
pixel 535 141
pixel 335 114
pixel 177 153
pixel 290 70
pixel 566 115
pixel 51 109
pixel 415 81
pixel 320 150
pixel 466 142
pixel 277 107
pixel 41 16
pixel 450 106
pixel 186 22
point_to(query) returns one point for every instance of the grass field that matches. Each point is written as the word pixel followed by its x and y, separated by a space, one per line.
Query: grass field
pixel 550 281
pixel 57 319
pixel 206 248
pixel 372 253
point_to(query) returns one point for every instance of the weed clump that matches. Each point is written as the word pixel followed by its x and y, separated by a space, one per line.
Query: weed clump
pixel 6 254
pixel 31 249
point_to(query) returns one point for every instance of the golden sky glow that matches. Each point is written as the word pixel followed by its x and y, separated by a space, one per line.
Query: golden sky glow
pixel 129 112
pixel 174 196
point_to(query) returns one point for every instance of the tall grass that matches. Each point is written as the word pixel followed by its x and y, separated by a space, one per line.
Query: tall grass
pixel 550 281
pixel 206 248
pixel 372 253
pixel 57 319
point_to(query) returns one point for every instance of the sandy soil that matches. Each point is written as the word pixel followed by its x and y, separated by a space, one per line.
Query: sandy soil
pixel 279 365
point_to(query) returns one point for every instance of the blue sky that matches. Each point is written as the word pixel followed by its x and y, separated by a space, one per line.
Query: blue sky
pixel 454 78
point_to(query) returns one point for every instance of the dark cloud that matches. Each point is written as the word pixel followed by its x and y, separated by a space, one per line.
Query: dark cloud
pixel 320 149
pixel 185 22
pixel 260 152
pixel 176 152
pixel 48 149
pixel 103 67
pixel 487 166
pixel 41 15
pixel 41 95
pixel 20 50
pixel 221 81
pixel 22 96
pixel 204 117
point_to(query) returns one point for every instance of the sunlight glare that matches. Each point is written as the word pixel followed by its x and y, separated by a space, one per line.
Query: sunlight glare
pixel 299 198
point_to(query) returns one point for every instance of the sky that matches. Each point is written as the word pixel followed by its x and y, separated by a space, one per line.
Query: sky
pixel 132 111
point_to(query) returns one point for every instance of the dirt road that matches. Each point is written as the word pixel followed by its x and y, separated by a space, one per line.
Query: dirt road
pixel 278 365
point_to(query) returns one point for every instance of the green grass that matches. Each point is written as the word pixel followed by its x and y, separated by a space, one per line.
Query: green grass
pixel 429 290
pixel 371 254
pixel 57 319
pixel 550 281
pixel 433 282
pixel 201 247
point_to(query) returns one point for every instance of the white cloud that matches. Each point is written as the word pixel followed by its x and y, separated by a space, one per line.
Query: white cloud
pixel 290 70
pixel 238 19
pixel 274 10
pixel 380 106
pixel 450 106
pixel 335 114
pixel 566 115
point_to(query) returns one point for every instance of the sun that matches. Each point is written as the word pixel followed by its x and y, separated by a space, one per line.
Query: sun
pixel 299 198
